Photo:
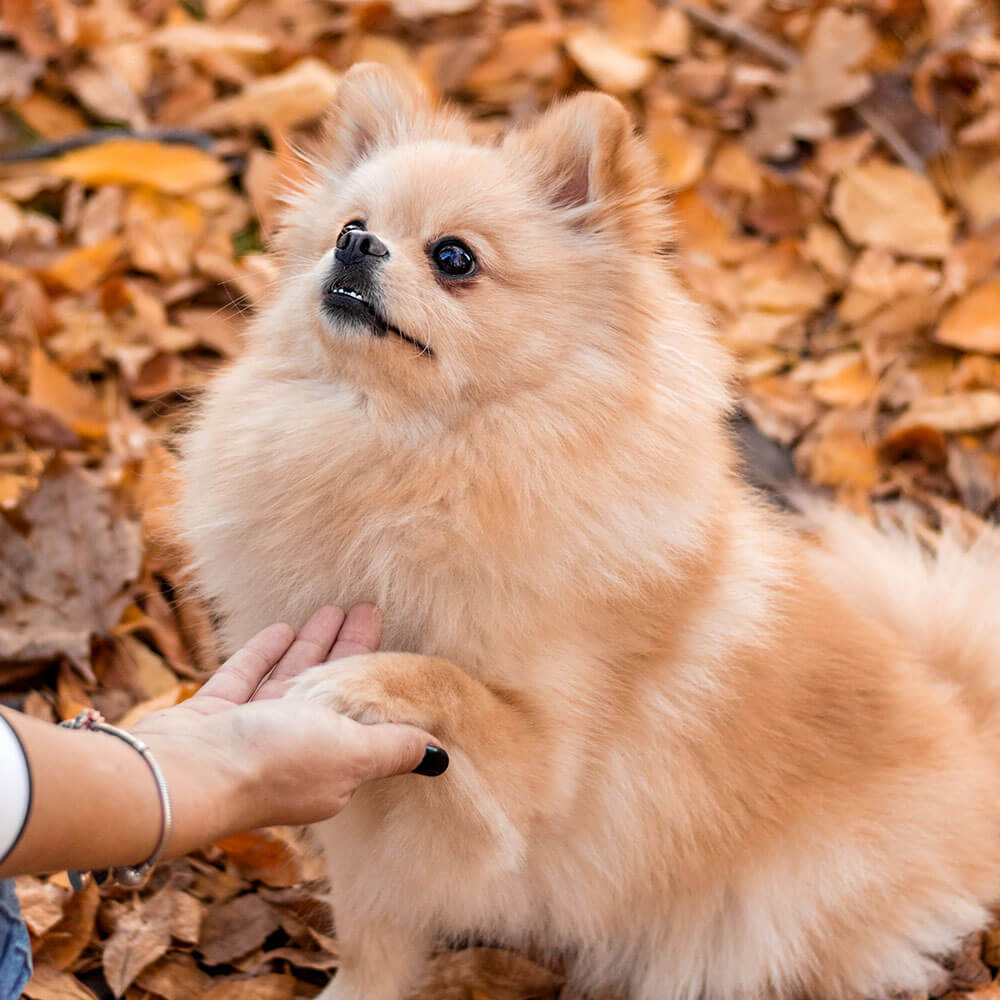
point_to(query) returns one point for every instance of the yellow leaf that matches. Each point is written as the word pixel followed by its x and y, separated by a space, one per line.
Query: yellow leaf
pixel 961 411
pixel 299 94
pixel 84 267
pixel 170 168
pixel 50 118
pixel 890 207
pixel 51 387
pixel 612 66
pixel 973 322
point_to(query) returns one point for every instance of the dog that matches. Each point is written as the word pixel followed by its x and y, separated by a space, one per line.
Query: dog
pixel 696 751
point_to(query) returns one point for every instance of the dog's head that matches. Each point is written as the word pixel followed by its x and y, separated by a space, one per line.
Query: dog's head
pixel 434 270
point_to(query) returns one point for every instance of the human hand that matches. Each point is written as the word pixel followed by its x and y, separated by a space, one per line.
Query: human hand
pixel 236 756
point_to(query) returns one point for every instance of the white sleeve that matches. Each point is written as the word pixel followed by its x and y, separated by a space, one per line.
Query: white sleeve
pixel 15 788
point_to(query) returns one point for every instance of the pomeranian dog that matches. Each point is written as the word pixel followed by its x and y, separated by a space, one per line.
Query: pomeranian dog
pixel 695 751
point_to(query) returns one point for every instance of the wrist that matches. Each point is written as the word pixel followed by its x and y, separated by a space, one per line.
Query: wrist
pixel 210 787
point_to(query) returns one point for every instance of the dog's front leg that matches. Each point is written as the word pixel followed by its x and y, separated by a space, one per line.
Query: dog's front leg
pixel 379 960
pixel 412 856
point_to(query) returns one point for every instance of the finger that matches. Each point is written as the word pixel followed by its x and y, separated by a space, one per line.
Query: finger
pixel 237 679
pixel 312 645
pixel 388 749
pixel 360 633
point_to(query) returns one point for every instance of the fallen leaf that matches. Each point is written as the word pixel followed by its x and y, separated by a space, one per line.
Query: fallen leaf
pixel 42 904
pixel 301 93
pixel 976 475
pixel 826 78
pixel 671 34
pixel 49 984
pixel 83 268
pixel 65 571
pixel 171 168
pixel 276 857
pixel 838 455
pixel 973 322
pixel 51 387
pixel 890 207
pixel 233 929
pixel 196 38
pixel 271 987
pixel 64 943
pixel 40 426
pixel 492 972
pixel 961 411
pixel 175 977
pixel 611 65
pixel 141 936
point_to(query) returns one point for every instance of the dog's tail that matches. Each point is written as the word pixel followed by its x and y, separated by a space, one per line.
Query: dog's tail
pixel 944 604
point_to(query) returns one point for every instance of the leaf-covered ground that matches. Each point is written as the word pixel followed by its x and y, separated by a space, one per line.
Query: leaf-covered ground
pixel 837 189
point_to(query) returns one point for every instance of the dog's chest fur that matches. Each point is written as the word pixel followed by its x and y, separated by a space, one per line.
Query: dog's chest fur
pixel 300 502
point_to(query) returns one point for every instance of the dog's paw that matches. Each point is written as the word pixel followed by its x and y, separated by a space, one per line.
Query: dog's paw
pixel 378 687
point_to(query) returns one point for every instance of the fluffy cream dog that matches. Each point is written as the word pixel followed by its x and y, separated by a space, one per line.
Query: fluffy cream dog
pixel 692 752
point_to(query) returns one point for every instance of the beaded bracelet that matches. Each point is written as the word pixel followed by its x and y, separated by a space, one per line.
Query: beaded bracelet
pixel 127 875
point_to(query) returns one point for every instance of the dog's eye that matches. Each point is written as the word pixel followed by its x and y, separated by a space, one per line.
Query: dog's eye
pixel 454 258
pixel 354 224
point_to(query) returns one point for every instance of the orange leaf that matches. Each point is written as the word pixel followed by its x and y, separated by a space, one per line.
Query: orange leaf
pixel 84 267
pixel 172 169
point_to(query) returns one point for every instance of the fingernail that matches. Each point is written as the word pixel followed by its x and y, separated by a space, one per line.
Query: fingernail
pixel 435 762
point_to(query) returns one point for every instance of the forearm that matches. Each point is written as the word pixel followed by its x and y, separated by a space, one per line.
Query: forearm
pixel 95 803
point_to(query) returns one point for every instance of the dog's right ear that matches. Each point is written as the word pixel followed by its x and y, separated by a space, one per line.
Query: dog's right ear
pixel 377 108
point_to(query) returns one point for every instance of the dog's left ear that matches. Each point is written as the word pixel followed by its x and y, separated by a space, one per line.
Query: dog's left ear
pixel 377 108
pixel 589 164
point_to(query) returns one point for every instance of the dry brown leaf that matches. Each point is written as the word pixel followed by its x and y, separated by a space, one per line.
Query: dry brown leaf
pixel 42 904
pixel 83 268
pixel 671 34
pixel 108 95
pixel 66 941
pixel 890 207
pixel 492 972
pixel 141 936
pixel 39 425
pixel 301 93
pixel 64 574
pixel 416 9
pixel 209 38
pixel 233 929
pixel 277 857
pixel 612 65
pixel 162 232
pixel 271 987
pixel 826 78
pixel 682 150
pixel 976 475
pixel 176 977
pixel 522 58
pixel 781 408
pixel 959 412
pixel 973 322
pixel 186 917
pixel 49 386
pixel 838 455
pixel 168 168
pixel 49 984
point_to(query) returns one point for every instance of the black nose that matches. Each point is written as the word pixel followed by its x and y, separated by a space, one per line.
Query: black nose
pixel 356 244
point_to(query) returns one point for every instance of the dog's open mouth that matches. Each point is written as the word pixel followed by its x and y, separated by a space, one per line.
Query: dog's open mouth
pixel 340 301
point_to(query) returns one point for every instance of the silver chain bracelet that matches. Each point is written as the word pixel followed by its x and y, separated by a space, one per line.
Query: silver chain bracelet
pixel 127 875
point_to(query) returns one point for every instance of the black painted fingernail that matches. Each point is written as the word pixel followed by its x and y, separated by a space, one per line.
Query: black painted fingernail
pixel 435 762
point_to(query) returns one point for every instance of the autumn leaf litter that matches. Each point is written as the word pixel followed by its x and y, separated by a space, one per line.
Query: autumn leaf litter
pixel 836 185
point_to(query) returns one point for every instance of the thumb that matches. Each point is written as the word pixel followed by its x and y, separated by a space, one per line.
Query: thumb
pixel 391 748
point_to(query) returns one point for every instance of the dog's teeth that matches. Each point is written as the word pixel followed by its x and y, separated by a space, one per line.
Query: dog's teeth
pixel 347 291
